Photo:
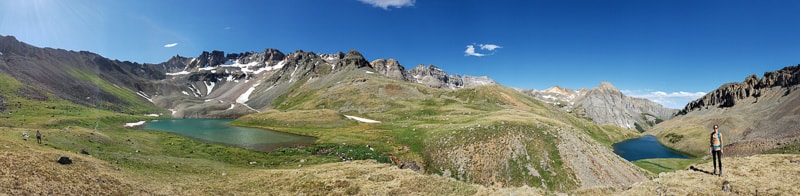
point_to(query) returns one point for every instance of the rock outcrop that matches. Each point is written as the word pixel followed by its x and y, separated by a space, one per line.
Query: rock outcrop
pixel 429 75
pixel 729 94
pixel 390 68
pixel 434 77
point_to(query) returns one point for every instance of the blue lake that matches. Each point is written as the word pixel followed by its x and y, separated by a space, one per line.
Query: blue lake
pixel 646 147
pixel 219 132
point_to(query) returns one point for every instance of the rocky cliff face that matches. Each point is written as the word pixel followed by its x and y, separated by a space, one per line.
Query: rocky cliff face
pixel 605 104
pixel 435 77
pixel 728 95
pixel 757 114
pixel 390 68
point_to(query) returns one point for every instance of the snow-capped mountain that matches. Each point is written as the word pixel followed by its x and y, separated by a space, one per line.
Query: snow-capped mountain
pixel 213 84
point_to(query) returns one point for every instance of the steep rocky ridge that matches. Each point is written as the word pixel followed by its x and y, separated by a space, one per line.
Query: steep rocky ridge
pixel 754 115
pixel 80 77
pixel 429 75
pixel 605 104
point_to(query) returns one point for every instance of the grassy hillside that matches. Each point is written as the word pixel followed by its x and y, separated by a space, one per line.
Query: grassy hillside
pixel 26 106
pixel 490 135
pixel 134 162
pixel 129 102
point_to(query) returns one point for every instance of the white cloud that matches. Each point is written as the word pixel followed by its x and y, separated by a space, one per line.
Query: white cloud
pixel 676 100
pixel 489 47
pixel 385 4
pixel 170 45
pixel 227 28
pixel 471 51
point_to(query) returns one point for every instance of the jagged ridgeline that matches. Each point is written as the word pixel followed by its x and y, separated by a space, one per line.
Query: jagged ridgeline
pixel 464 127
pixel 756 114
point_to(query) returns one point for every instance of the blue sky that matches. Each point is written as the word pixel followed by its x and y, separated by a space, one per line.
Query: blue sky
pixel 667 51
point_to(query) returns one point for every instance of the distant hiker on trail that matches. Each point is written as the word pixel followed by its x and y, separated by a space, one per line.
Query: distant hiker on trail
pixel 39 137
pixel 716 149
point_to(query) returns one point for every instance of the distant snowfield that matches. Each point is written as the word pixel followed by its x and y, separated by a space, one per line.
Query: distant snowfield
pixel 364 120
pixel 178 73
pixel 133 124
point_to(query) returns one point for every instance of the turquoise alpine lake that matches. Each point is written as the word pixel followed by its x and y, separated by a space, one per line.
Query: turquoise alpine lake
pixel 646 147
pixel 219 132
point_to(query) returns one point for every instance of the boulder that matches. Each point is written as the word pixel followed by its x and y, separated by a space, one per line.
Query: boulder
pixel 412 165
pixel 64 160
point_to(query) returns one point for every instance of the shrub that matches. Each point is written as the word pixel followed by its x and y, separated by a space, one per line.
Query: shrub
pixel 674 138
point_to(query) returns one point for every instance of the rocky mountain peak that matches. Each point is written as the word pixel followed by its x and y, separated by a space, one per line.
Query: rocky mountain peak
pixel 353 59
pixel 607 86
pixel 556 89
pixel 353 54
pixel 390 68
pixel 10 44
pixel 605 104
pixel 332 57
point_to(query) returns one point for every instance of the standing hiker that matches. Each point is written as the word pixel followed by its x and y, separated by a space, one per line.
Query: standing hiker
pixel 716 149
pixel 39 137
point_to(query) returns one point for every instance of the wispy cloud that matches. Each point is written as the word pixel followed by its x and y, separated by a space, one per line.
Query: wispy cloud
pixel 670 100
pixel 170 45
pixel 227 28
pixel 488 47
pixel 385 4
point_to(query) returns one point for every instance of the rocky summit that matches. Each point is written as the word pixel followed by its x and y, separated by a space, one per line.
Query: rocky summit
pixel 605 104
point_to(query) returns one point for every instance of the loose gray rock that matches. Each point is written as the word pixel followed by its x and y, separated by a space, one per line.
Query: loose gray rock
pixel 726 186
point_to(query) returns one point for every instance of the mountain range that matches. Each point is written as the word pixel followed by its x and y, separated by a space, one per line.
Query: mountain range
pixel 214 84
pixel 462 127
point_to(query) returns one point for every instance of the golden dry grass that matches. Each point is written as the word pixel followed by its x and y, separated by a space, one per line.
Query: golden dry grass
pixel 773 174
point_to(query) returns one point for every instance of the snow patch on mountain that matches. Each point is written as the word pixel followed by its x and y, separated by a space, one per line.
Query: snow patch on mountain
pixel 359 119
pixel 242 99
pixel 145 96
pixel 178 73
pixel 209 87
pixel 133 124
